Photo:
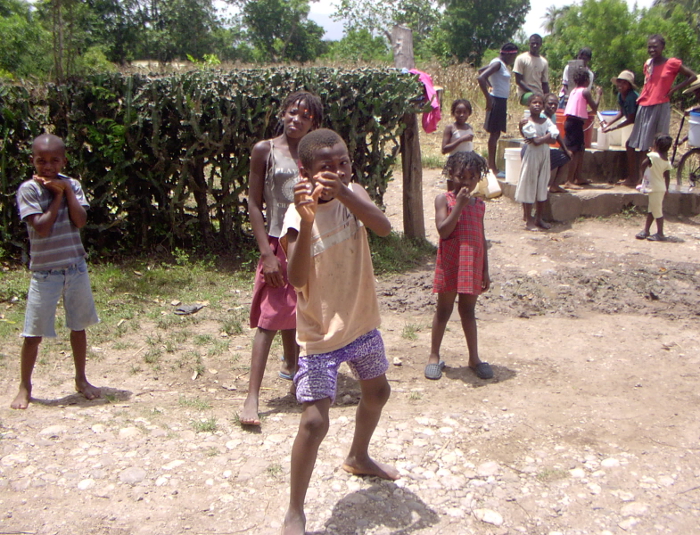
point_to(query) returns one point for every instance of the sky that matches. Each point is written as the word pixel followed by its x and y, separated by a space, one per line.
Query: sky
pixel 321 14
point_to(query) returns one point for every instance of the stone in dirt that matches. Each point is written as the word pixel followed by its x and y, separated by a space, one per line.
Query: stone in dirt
pixel 132 476
pixel 488 516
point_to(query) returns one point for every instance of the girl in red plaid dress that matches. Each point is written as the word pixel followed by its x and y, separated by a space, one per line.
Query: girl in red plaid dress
pixel 462 267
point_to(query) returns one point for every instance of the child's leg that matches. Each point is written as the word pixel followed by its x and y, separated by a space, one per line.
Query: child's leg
pixel 445 304
pixel 539 209
pixel 375 394
pixel 529 220
pixel 660 226
pixel 492 146
pixel 632 172
pixel 312 430
pixel 78 343
pixel 467 313
pixel 30 349
pixel 258 361
pixel 291 351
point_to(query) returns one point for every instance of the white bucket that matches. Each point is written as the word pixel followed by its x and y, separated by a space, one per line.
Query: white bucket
pixel 513 163
pixel 625 133
pixel 603 140
pixel 614 136
pixel 694 130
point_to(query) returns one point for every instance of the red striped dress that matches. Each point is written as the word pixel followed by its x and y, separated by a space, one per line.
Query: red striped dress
pixel 460 258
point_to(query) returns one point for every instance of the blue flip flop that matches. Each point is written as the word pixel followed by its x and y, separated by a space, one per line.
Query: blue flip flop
pixel 433 370
pixel 286 376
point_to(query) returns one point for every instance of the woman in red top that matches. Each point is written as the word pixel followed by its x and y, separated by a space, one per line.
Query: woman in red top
pixel 654 113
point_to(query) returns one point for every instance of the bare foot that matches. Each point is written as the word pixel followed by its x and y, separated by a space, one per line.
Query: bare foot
pixel 557 189
pixel 543 224
pixel 249 414
pixel 87 390
pixel 370 468
pixel 530 225
pixel 22 399
pixel 569 185
pixel 583 182
pixel 294 524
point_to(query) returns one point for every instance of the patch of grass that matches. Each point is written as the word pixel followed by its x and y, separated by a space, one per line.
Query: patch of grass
pixel 396 254
pixel 195 403
pixel 153 355
pixel 180 337
pixel 432 161
pixel 409 331
pixel 165 322
pixel 220 347
pixel 233 324
pixel 203 339
pixel 552 474
pixel 154 340
pixel 415 396
pixel 135 369
pixel 205 425
pixel 274 470
pixel 121 346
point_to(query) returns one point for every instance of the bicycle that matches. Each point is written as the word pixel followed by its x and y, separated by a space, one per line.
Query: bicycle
pixel 689 165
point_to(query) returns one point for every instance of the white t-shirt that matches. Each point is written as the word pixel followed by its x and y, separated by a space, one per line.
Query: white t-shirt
pixel 534 69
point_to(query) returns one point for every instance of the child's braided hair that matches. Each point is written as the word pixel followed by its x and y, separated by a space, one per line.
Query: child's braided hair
pixel 459 161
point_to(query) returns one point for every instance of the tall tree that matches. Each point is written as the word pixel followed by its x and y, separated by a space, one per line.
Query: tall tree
pixel 471 27
pixel 281 31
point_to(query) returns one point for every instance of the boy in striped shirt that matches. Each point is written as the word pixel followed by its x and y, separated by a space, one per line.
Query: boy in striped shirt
pixel 53 206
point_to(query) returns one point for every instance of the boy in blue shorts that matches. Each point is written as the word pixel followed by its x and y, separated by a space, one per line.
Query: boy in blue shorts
pixel 53 207
pixel 337 310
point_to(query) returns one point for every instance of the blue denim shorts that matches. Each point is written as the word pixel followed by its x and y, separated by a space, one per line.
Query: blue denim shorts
pixel 317 375
pixel 45 290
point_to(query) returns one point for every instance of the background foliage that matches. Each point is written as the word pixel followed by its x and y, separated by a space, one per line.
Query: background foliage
pixel 164 160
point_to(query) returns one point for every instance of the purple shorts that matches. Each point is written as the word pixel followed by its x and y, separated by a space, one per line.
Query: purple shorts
pixel 317 375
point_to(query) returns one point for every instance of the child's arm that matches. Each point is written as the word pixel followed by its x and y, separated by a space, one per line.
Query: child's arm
pixel 593 103
pixel 445 223
pixel 645 163
pixel 667 179
pixel 298 243
pixel 690 78
pixel 449 147
pixel 357 201
pixel 271 265
pixel 483 80
pixel 43 223
pixel 76 211
pixel 486 278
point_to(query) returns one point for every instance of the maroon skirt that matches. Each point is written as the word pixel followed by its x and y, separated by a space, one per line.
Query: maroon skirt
pixel 273 309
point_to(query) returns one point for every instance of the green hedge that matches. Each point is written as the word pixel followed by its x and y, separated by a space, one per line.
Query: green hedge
pixel 164 160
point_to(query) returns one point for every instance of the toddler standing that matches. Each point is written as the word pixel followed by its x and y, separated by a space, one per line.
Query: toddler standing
pixel 659 179
pixel 462 267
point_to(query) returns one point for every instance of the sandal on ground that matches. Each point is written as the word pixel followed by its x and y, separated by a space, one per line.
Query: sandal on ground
pixel 656 237
pixel 434 370
pixel 483 370
pixel 642 235
pixel 284 375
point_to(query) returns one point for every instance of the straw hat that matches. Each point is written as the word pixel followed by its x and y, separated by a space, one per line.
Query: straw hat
pixel 627 76
pixel 692 87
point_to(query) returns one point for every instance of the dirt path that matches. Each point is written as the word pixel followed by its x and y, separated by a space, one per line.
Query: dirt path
pixel 589 426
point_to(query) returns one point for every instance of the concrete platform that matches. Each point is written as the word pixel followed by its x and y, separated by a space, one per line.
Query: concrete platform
pixel 602 200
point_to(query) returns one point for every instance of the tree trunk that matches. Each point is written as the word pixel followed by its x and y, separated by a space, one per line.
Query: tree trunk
pixel 411 164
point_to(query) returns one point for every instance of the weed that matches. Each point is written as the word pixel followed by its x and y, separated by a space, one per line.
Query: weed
pixel 232 325
pixel 154 341
pixel 203 339
pixel 153 355
pixel 211 452
pixel 409 331
pixel 110 398
pixel 205 425
pixel 196 403
pixel 415 396
pixel 180 337
pixel 135 369
pixel 121 346
pixel 220 347
pixel 169 346
pixel 274 470
pixel 551 474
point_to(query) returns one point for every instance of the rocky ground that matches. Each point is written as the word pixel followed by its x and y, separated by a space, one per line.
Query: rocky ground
pixel 589 427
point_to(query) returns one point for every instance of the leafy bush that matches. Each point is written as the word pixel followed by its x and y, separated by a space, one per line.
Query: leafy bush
pixel 164 160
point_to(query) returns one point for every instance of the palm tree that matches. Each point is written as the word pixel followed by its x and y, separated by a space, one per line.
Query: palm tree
pixel 552 14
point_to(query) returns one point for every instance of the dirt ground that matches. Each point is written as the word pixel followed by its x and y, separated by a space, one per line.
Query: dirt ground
pixel 590 425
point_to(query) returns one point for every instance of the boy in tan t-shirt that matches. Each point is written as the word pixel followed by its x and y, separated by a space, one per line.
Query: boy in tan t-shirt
pixel 337 311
